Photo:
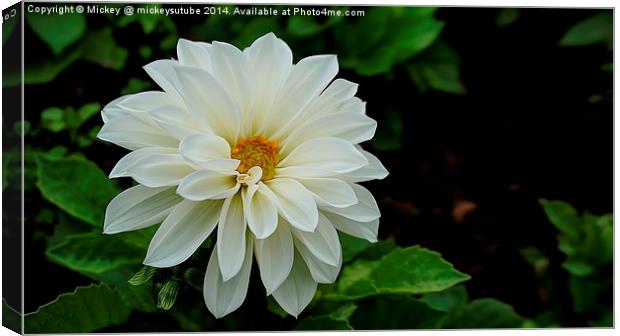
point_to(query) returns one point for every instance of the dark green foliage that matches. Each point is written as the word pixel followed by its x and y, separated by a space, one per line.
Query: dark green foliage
pixel 77 186
pixel 411 270
pixel 84 310
pixel 58 31
pixel 595 29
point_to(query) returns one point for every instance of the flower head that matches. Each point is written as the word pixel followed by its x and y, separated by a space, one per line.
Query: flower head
pixel 261 149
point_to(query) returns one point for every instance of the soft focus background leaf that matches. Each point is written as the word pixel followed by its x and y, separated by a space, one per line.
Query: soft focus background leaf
pixel 396 312
pixel 438 69
pixel 101 48
pixel 595 29
pixel 58 31
pixel 411 270
pixel 448 300
pixel 507 16
pixel 485 313
pixel 386 36
pixel 77 186
pixel 95 253
pixel 84 310
pixel 351 246
pixel 338 319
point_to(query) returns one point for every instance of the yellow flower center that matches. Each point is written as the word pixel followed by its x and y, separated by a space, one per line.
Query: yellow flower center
pixel 257 151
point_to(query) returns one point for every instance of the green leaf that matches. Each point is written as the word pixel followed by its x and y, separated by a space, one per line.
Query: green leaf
pixel 100 47
pixel 145 274
pixel 578 268
pixel 168 42
pixel 86 112
pixel 597 245
pixel 145 51
pixel 275 308
pixel 64 227
pixel 168 294
pixel 586 292
pixel 438 68
pixel 77 186
pixel 485 313
pixel 337 320
pixel 256 28
pixel 94 252
pixel 303 26
pixel 352 246
pixel 411 270
pixel 136 297
pixel 448 300
pixel 386 36
pixel 379 249
pixel 43 71
pixel 52 118
pixel 84 310
pixel 390 312
pixel 607 67
pixel 595 29
pixel 507 16
pixel 58 31
pixel 563 216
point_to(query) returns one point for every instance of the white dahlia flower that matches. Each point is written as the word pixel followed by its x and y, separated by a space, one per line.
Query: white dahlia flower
pixel 261 148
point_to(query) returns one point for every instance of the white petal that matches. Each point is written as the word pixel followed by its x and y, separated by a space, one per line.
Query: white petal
pixel 177 121
pixel 306 81
pixel 139 207
pixel 274 256
pixel 112 110
pixel 365 210
pixel 354 128
pixel 208 184
pixel 321 272
pixel 374 170
pixel 147 101
pixel 162 73
pixel 339 91
pixel 223 297
pixel 297 290
pixel 321 157
pixel 209 102
pixel 363 230
pixel 195 54
pixel 160 170
pixel 271 59
pixel 330 191
pixel 183 231
pixel 295 203
pixel 131 132
pixel 121 169
pixel 260 210
pixel 231 235
pixel 328 101
pixel 232 69
pixel 323 242
pixel 208 152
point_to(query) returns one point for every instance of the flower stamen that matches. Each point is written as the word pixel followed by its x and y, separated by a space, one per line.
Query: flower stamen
pixel 257 151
